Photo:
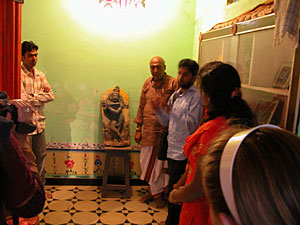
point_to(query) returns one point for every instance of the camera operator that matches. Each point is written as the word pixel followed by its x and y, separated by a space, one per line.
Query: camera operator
pixel 21 190
pixel 23 124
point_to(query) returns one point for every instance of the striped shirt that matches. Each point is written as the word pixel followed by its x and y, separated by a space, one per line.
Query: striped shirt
pixel 32 91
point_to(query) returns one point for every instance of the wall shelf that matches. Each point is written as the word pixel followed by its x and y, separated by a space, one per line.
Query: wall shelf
pixel 269 75
pixel 276 91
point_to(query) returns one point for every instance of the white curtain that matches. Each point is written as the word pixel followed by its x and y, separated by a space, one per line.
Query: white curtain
pixel 287 13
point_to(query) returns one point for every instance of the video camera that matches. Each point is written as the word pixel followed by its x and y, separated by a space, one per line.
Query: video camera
pixel 7 107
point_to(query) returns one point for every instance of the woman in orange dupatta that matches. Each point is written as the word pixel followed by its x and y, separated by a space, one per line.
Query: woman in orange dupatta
pixel 220 89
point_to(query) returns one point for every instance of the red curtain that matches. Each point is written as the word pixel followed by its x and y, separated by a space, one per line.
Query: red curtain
pixel 10 47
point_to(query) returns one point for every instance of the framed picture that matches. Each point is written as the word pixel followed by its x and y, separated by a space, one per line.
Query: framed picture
pixel 264 110
pixel 282 78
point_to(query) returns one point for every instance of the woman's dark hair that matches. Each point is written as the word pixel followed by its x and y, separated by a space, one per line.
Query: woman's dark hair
pixel 265 177
pixel 221 84
pixel 190 64
pixel 27 46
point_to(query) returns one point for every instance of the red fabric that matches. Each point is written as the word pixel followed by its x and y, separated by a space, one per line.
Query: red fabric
pixel 197 211
pixel 10 48
pixel 23 221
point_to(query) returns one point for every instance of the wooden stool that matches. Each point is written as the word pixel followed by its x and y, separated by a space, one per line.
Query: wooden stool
pixel 116 152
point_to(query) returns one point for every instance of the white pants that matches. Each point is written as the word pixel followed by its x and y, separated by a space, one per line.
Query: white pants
pixel 158 180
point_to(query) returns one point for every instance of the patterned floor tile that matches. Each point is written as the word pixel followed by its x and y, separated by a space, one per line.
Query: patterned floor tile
pixel 75 205
pixel 74 200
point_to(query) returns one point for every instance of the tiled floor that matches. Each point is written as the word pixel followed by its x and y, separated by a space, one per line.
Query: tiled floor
pixel 84 205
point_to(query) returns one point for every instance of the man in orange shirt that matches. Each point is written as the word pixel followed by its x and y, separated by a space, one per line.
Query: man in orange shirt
pixel 158 87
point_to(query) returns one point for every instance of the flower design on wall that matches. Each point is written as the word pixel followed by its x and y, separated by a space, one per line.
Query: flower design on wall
pixel 54 163
pixel 122 3
pixel 132 172
pixel 131 164
pixel 70 164
pixel 98 164
pixel 85 162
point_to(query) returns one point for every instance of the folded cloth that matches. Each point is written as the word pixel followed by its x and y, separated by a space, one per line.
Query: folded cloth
pixel 287 14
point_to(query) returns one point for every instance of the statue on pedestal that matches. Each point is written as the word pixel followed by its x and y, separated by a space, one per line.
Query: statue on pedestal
pixel 115 117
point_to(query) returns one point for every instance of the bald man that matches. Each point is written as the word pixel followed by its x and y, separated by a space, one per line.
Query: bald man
pixel 159 87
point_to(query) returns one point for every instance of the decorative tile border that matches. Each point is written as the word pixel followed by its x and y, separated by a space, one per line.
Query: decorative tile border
pixel 82 146
pixel 83 163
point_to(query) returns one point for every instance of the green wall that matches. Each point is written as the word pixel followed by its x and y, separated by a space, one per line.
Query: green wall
pixel 81 64
pixel 82 61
